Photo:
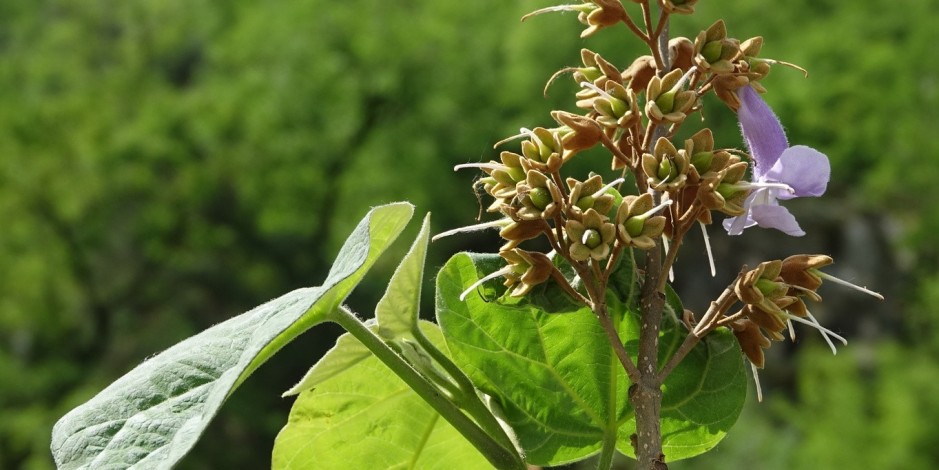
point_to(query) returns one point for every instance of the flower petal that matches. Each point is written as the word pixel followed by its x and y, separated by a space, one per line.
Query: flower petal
pixel 777 217
pixel 761 129
pixel 736 225
pixel 804 169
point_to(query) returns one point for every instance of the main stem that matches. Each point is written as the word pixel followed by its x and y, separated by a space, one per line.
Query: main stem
pixel 645 395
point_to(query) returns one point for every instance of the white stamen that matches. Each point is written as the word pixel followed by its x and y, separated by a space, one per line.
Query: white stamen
pixel 665 203
pixel 684 78
pixel 599 90
pixel 609 185
pixel 472 228
pixel 818 327
pixel 508 139
pixel 808 293
pixel 577 8
pixel 768 185
pixel 848 284
pixel 531 135
pixel 480 282
pixel 824 335
pixel 481 166
pixel 792 331
pixel 707 247
pixel 756 380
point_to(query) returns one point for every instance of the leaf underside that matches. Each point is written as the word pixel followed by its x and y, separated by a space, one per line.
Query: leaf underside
pixel 152 416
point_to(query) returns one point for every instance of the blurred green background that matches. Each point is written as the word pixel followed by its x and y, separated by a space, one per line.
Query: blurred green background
pixel 165 165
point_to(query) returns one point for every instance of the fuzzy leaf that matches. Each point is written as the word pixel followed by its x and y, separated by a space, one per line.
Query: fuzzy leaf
pixel 366 417
pixel 152 416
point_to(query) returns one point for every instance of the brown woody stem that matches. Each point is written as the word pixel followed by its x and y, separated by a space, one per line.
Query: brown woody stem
pixel 645 395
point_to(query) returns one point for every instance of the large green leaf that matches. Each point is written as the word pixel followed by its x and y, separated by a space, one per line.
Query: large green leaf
pixel 152 416
pixel 558 381
pixel 367 417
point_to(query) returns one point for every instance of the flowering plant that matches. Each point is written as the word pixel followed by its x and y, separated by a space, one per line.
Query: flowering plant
pixel 581 349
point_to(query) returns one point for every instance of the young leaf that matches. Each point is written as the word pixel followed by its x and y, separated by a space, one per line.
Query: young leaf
pixel 367 417
pixel 397 311
pixel 152 416
pixel 562 389
pixel 396 314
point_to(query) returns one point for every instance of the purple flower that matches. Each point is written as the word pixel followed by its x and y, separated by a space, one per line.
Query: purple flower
pixel 779 171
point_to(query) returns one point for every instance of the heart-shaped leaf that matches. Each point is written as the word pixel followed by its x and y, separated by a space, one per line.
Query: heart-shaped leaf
pixel 152 416
pixel 558 381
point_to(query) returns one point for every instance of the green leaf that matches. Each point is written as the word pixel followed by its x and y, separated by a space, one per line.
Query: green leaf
pixel 347 352
pixel 152 416
pixel 397 311
pixel 558 381
pixel 366 417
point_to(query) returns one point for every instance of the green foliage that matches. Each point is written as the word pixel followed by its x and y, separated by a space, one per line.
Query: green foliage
pixel 153 415
pixel 367 417
pixel 560 385
pixel 168 163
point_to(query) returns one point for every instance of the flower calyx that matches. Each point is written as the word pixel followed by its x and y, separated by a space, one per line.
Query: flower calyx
pixel 751 339
pixel 525 270
pixel 667 168
pixel 589 194
pixel 636 223
pixel 681 7
pixel 590 237
pixel 596 14
pixel 714 51
pixel 578 132
pixel 666 98
pixel 538 196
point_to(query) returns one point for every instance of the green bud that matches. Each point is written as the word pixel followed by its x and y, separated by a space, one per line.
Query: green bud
pixel 618 107
pixel 592 238
pixel 768 287
pixel 702 161
pixel 634 226
pixel 727 190
pixel 516 173
pixel 666 102
pixel 665 169
pixel 591 73
pixel 540 197
pixel 585 202
pixel 712 51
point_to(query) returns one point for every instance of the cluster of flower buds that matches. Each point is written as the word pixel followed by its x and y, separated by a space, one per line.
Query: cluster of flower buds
pixel 634 113
pixel 774 297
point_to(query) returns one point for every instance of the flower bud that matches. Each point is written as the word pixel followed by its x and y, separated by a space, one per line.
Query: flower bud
pixel 590 239
pixel 666 100
pixel 667 169
pixel 636 224
pixel 526 270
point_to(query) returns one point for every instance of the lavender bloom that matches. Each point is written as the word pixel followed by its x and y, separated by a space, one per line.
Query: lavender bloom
pixel 779 171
